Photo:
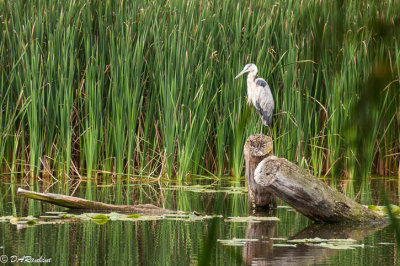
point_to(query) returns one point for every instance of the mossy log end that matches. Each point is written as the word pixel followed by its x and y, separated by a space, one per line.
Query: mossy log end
pixel 309 195
pixel 83 204
pixel 256 148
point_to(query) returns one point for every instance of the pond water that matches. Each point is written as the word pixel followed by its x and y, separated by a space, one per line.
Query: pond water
pixel 212 238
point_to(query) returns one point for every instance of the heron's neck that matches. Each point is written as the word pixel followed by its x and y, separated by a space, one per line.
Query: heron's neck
pixel 251 77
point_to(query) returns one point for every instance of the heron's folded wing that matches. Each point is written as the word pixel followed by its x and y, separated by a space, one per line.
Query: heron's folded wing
pixel 264 103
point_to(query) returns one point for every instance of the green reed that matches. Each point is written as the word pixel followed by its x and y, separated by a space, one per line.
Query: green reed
pixel 147 88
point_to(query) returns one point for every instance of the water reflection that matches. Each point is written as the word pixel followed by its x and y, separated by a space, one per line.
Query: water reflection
pixel 260 250
pixel 182 242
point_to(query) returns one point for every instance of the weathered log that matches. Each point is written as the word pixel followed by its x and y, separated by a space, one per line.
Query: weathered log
pixel 256 148
pixel 83 204
pixel 309 195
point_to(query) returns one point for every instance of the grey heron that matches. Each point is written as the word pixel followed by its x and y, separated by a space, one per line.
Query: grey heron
pixel 259 94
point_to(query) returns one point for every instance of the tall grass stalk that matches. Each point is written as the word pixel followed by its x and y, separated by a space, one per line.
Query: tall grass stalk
pixel 147 88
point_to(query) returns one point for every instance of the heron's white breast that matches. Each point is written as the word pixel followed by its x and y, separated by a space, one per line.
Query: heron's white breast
pixel 251 93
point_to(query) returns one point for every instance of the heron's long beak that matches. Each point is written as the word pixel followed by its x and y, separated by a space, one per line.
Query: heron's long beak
pixel 241 73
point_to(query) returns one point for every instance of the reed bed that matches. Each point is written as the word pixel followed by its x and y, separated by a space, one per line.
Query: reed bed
pixel 146 88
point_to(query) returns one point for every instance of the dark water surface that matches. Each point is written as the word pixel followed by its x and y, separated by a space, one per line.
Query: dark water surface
pixel 185 242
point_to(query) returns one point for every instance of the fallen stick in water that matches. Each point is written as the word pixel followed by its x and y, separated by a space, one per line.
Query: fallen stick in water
pixel 83 204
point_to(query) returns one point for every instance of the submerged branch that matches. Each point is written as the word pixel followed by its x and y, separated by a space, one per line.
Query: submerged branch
pixel 83 204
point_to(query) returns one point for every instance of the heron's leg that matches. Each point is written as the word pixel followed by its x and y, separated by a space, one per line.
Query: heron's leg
pixel 261 129
pixel 270 131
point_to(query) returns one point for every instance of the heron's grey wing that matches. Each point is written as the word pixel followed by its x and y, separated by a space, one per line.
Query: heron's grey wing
pixel 261 82
pixel 264 103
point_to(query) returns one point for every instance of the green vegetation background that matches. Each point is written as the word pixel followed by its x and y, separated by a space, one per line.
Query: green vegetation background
pixel 147 87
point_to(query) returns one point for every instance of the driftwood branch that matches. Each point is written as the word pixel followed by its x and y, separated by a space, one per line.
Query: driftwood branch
pixel 256 148
pixel 309 195
pixel 83 204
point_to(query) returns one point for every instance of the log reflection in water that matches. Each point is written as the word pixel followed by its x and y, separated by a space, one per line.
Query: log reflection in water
pixel 263 252
pixel 263 231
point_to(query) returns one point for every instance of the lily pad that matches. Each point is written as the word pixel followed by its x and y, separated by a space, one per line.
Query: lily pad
pixel 14 220
pixel 285 245
pixel 328 243
pixel 49 216
pixel 100 217
pixel 209 189
pixel 374 208
pixel 320 240
pixel 6 218
pixel 100 221
pixel 236 241
pixel 56 213
pixel 31 222
pixel 383 209
pixel 393 208
pixel 233 190
pixel 251 219
pixel 284 207
pixel 334 246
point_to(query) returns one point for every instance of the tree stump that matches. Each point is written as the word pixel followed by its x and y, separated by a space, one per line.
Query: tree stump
pixel 256 148
pixel 309 195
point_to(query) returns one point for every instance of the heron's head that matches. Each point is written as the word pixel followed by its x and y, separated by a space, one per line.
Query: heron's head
pixel 248 68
